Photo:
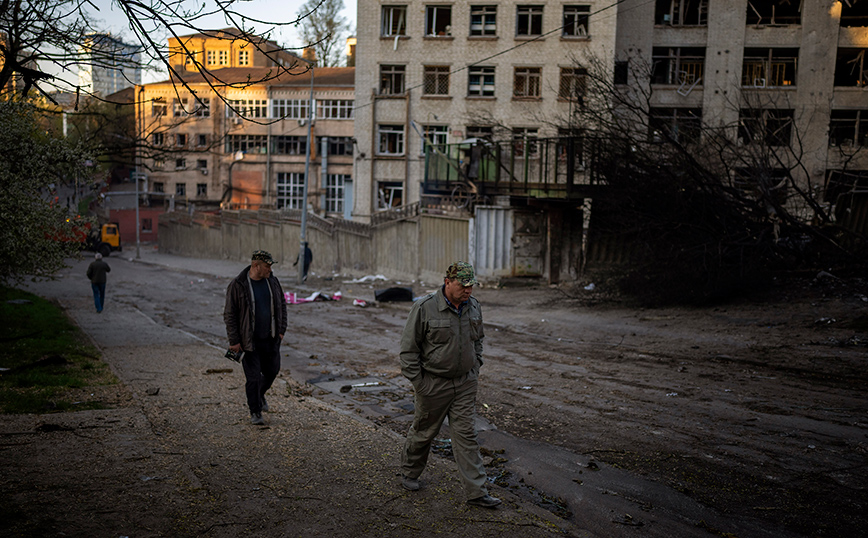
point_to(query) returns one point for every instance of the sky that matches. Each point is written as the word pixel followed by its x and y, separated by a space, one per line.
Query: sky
pixel 115 21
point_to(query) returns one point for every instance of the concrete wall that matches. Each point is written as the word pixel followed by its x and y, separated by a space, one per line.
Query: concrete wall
pixel 394 249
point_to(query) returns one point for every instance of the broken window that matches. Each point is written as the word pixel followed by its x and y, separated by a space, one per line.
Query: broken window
pixel 773 127
pixel 676 124
pixel 774 12
pixel 390 194
pixel 391 139
pixel 438 21
pixel 851 68
pixel 681 12
pixel 854 13
pixel 848 128
pixel 764 68
pixel 841 182
pixel 394 21
pixel 677 65
pixel 576 21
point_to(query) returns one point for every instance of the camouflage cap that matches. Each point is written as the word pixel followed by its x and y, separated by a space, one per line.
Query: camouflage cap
pixel 462 271
pixel 263 256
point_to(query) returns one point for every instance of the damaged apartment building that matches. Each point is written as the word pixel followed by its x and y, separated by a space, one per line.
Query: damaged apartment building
pixel 462 109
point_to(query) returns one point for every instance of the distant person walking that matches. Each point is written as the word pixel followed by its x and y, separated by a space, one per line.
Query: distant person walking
pixel 96 272
pixel 255 317
pixel 441 353
pixel 308 257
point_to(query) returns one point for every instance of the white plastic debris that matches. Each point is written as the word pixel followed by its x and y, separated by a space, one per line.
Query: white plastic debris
pixel 590 287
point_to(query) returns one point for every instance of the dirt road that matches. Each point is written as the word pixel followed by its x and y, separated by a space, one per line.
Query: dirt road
pixel 748 419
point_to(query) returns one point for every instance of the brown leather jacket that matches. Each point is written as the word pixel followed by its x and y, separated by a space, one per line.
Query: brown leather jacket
pixel 238 312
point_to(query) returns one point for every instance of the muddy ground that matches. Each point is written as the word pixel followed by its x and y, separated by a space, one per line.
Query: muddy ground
pixel 755 409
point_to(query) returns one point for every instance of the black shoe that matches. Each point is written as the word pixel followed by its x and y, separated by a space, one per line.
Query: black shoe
pixel 256 419
pixel 486 501
pixel 265 408
pixel 410 484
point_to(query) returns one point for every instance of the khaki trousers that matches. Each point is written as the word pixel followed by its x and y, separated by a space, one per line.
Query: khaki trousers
pixel 436 399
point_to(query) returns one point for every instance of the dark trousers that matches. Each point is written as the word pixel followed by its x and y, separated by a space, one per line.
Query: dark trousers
pixel 98 295
pixel 261 366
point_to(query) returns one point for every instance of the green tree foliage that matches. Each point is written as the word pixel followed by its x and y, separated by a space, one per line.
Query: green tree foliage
pixel 324 29
pixel 36 234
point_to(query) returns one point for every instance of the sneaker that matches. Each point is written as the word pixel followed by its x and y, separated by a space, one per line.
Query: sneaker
pixel 486 501
pixel 265 408
pixel 256 419
pixel 410 484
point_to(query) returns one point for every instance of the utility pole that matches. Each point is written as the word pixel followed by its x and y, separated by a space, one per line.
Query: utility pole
pixel 303 242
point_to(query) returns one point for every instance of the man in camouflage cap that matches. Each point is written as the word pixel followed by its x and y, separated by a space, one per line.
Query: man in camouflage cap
pixel 441 353
pixel 255 317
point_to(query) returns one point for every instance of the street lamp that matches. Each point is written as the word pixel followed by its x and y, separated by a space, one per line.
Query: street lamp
pixel 237 157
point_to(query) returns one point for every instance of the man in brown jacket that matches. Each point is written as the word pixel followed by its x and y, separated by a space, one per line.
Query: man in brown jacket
pixel 255 317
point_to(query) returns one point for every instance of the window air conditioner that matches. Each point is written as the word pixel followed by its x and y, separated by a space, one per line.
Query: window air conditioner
pixel 204 171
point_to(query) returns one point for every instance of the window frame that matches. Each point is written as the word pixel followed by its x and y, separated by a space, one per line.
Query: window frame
pixel 393 78
pixel 484 28
pixel 675 120
pixel 853 120
pixel 247 108
pixel 485 76
pixel 289 109
pixel 758 126
pixel 288 145
pixel 434 19
pixel 333 198
pixel 570 79
pixel 289 190
pixel 525 137
pixel 388 189
pixel 435 77
pixel 774 65
pixel 576 23
pixel 673 13
pixel 246 143
pixel 391 136
pixel 338 146
pixel 843 58
pixel 529 20
pixel 676 66
pixel 396 27
pixel 335 109
pixel 527 83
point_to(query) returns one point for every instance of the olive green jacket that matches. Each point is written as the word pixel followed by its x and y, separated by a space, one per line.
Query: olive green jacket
pixel 439 341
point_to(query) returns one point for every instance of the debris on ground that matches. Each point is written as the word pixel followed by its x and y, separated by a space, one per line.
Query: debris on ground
pixel 292 298
pixel 394 294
